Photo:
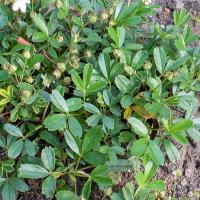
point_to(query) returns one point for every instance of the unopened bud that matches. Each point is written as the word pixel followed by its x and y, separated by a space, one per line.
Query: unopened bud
pixel 61 67
pixel 104 15
pixel 169 75
pixel 59 3
pixel 117 53
pixel 26 54
pixel 67 80
pixel 92 18
pixel 87 53
pixel 12 69
pixel 147 65
pixel 56 74
pixel 59 38
pixel 30 79
pixel 37 66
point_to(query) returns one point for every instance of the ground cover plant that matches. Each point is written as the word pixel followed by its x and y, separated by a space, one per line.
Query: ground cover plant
pixel 88 90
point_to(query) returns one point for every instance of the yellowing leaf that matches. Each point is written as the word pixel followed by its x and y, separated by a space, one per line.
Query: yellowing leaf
pixel 140 110
pixel 4 93
pixel 4 101
pixel 10 90
pixel 127 113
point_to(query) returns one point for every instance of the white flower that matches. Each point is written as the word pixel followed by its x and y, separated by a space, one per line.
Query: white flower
pixel 20 4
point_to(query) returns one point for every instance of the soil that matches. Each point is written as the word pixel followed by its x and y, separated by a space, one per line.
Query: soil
pixel 187 185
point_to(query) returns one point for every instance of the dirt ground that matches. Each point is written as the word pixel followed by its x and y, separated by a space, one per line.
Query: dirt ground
pixel 187 185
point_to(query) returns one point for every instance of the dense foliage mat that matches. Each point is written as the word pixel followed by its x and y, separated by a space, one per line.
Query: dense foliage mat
pixel 89 89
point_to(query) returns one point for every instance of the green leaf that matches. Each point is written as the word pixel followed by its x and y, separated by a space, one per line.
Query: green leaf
pixel 50 138
pixel 39 37
pixel 49 187
pixel 3 21
pixel 48 158
pixel 91 108
pixel 91 139
pixel 95 158
pixel 155 153
pixel 138 127
pixel 179 137
pixel 160 58
pixel 113 34
pixel 104 64
pixel 2 141
pixel 182 125
pixel 96 86
pixel 172 151
pixel 66 195
pixel 157 185
pixel 139 59
pixel 180 61
pixel 13 130
pixel 15 149
pixel 102 180
pixel 32 171
pixel 74 104
pixel 39 23
pixel 46 3
pixel 194 134
pixel 30 147
pixel 19 184
pixel 55 122
pixel 123 84
pixel 59 101
pixel 71 142
pixel 8 192
pixel 87 74
pixel 128 191
pixel 139 147
pixel 121 35
pixel 77 81
pixel 75 127
pixel 86 191
pixel 93 120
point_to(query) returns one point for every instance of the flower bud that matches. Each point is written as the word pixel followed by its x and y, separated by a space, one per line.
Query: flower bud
pixel 12 69
pixel 56 74
pixel 75 65
pixel 45 80
pixel 108 192
pixel 147 65
pixel 74 58
pixel 61 67
pixel 104 15
pixel 5 67
pixel 37 66
pixel 76 37
pixel 26 54
pixel 73 50
pixel 111 11
pixel 87 54
pixel 92 18
pixel 30 79
pixel 177 173
pixel 67 80
pixel 169 75
pixel 59 38
pixel 25 94
pixel 117 53
pixel 59 3
pixel 112 23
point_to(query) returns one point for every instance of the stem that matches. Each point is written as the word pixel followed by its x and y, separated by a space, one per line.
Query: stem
pixel 78 162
